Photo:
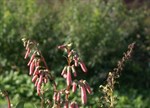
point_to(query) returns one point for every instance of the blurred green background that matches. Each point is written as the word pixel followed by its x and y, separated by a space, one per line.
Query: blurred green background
pixel 100 31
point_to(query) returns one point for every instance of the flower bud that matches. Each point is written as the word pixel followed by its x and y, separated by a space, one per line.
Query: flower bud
pixel 61 46
pixel 66 104
pixel 69 79
pixel 55 96
pixel 83 67
pixel 75 60
pixel 64 70
pixel 45 80
pixel 32 67
pixel 39 87
pixel 76 105
pixel 83 95
pixel 34 78
pixel 40 79
pixel 37 62
pixel 27 44
pixel 27 53
pixel 31 59
pixel 65 75
pixel 58 96
pixel 36 71
pixel 88 89
pixel 74 87
pixel 72 105
pixel 36 82
pixel 73 70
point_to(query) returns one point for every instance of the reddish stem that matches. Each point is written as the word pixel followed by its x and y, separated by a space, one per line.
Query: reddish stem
pixel 8 100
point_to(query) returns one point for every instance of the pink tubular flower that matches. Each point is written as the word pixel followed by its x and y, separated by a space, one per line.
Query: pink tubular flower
pixel 32 67
pixel 38 88
pixel 69 79
pixel 83 67
pixel 73 70
pixel 37 62
pixel 83 95
pixel 66 104
pixel 45 79
pixel 75 60
pixel 39 84
pixel 40 79
pixel 74 87
pixel 58 96
pixel 72 105
pixel 36 71
pixel 88 89
pixel 65 75
pixel 64 70
pixel 76 105
pixel 34 78
pixel 61 46
pixel 27 53
pixel 31 59
pixel 55 96
pixel 36 82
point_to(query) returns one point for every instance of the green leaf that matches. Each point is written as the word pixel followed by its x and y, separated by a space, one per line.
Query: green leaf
pixel 20 104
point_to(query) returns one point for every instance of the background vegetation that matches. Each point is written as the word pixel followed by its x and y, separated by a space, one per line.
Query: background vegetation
pixel 100 31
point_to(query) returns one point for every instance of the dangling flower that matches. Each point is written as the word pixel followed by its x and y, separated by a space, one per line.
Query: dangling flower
pixel 27 53
pixel 73 70
pixel 66 104
pixel 31 59
pixel 72 105
pixel 76 105
pixel 83 95
pixel 61 46
pixel 32 65
pixel 74 87
pixel 69 79
pixel 58 96
pixel 88 89
pixel 64 70
pixel 83 67
pixel 34 78
pixel 75 58
pixel 55 96
pixel 39 84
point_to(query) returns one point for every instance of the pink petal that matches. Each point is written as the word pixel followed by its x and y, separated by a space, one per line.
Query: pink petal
pixel 58 96
pixel 72 105
pixel 64 70
pixel 36 82
pixel 55 96
pixel 74 71
pixel 36 71
pixel 27 53
pixel 83 67
pixel 32 67
pixel 88 89
pixel 69 79
pixel 66 104
pixel 83 95
pixel 76 105
pixel 74 87
pixel 34 78
pixel 61 46
pixel 31 59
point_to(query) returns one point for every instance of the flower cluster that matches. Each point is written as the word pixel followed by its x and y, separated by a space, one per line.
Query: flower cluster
pixel 73 62
pixel 38 69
